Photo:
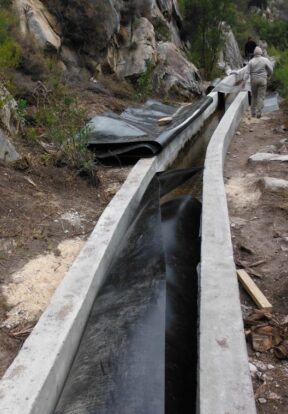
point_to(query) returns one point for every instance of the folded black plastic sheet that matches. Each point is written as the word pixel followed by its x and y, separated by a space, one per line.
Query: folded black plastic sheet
pixel 138 353
pixel 137 133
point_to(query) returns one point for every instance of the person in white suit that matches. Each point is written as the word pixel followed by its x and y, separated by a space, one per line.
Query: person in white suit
pixel 259 69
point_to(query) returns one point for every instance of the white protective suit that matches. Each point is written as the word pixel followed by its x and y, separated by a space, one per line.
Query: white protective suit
pixel 259 69
pixel 242 79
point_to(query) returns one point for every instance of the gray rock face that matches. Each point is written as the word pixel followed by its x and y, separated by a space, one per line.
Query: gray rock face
pixel 169 8
pixel 168 12
pixel 35 19
pixel 8 121
pixel 230 56
pixel 174 74
pixel 133 60
pixel 117 36
pixel 88 26
pixel 8 111
pixel 277 9
pixel 231 51
pixel 7 150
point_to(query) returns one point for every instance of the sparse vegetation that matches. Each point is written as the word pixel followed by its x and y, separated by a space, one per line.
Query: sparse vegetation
pixel 203 27
pixel 274 32
pixel 60 120
pixel 144 84
pixel 161 29
pixel 10 52
pixel 280 75
pixel 20 114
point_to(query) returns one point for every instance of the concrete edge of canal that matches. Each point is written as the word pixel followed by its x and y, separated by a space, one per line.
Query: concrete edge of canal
pixel 224 382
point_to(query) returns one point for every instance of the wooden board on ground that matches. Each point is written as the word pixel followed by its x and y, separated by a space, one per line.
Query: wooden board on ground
pixel 253 290
pixel 165 121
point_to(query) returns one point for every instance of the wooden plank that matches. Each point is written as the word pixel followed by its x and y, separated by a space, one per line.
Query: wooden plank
pixel 165 121
pixel 253 290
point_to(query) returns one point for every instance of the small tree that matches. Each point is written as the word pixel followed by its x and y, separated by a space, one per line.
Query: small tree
pixel 203 25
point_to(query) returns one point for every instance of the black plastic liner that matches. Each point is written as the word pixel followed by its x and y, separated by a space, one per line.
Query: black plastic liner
pixel 138 353
pixel 136 132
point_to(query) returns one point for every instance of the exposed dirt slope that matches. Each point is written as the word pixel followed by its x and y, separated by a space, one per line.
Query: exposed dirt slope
pixel 46 213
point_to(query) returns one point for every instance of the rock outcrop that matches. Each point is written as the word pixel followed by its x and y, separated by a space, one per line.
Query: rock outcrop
pixel 230 55
pixel 271 9
pixel 132 59
pixel 279 9
pixel 231 52
pixel 8 125
pixel 8 111
pixel 174 75
pixel 39 23
pixel 114 36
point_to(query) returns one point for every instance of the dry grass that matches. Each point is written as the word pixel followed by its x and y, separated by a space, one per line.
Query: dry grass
pixel 120 89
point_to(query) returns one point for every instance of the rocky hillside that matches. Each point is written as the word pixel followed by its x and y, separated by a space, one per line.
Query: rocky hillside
pixel 138 45
pixel 271 8
pixel 121 37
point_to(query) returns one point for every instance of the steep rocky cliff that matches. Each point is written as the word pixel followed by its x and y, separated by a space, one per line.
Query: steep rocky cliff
pixel 121 37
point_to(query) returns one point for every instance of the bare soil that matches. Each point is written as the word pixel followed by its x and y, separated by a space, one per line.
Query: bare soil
pixel 46 214
pixel 259 226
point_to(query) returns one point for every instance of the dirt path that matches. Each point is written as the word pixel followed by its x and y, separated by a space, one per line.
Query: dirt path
pixel 46 214
pixel 260 237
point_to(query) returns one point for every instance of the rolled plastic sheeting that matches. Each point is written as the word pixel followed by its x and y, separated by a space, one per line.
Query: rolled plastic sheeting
pixel 138 353
pixel 136 132
pixel 236 81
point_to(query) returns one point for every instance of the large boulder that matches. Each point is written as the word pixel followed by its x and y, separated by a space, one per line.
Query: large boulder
pixel 174 74
pixel 87 26
pixel 133 59
pixel 42 25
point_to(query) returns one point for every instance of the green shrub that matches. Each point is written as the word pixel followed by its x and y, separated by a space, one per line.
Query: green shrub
pixel 10 52
pixel 63 122
pixel 275 33
pixel 20 114
pixel 144 84
pixel 280 75
pixel 59 119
